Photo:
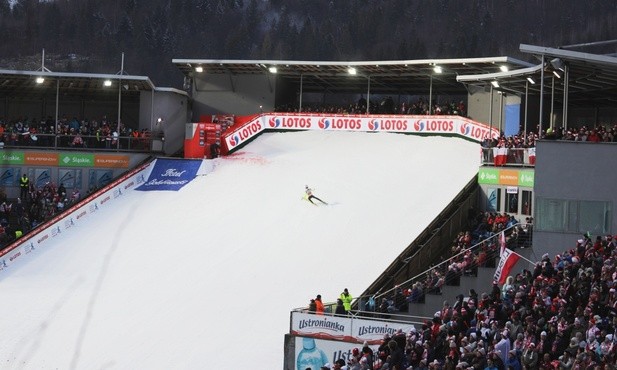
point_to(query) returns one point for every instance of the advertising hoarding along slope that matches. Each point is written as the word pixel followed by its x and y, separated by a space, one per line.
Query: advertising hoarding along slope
pixel 242 133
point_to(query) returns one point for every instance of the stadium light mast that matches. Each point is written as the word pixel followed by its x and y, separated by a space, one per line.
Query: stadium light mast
pixel 438 70
pixel 120 100
pixel 368 95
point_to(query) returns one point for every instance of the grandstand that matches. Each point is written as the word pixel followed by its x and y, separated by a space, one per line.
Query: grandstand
pixel 550 189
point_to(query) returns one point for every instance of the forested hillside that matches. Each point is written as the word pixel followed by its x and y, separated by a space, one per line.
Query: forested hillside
pixel 90 35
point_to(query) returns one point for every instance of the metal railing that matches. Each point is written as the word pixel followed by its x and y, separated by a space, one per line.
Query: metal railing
pixel 329 309
pixel 490 244
pixel 432 243
pixel 515 157
pixel 75 142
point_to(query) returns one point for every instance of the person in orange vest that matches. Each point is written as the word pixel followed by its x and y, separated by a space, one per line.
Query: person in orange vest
pixel 319 305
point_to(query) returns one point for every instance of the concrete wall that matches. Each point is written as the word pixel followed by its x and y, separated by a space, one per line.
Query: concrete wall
pixel 573 171
pixel 240 95
pixel 479 107
pixel 171 106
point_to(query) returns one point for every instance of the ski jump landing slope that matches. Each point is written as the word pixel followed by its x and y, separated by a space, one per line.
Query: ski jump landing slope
pixel 205 277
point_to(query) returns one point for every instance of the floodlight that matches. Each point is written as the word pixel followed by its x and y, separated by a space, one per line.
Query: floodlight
pixel 558 63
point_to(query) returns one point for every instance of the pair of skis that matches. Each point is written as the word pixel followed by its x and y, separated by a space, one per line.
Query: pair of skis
pixel 305 197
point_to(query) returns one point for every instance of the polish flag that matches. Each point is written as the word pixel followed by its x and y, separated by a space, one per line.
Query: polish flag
pixel 500 156
pixel 532 155
pixel 507 260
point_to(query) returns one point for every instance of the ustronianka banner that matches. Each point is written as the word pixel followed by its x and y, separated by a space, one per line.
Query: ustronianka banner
pixel 171 174
pixel 344 328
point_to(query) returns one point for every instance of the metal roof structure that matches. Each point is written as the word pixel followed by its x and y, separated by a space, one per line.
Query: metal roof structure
pixel 23 84
pixel 590 80
pixel 411 77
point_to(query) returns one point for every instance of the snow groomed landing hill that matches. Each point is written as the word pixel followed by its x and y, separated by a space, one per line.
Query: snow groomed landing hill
pixel 206 276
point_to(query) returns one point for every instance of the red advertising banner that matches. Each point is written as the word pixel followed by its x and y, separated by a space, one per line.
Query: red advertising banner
pixel 424 125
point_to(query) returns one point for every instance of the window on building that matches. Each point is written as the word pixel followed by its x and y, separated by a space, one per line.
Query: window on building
pixel 526 198
pixel 512 202
pixel 576 216
pixel 493 200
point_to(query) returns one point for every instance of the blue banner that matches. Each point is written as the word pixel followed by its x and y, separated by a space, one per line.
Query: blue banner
pixel 513 119
pixel 170 174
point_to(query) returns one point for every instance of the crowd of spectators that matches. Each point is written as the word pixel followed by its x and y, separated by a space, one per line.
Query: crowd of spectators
pixel 561 315
pixel 522 140
pixel 476 247
pixel 383 106
pixel 71 133
pixel 597 134
pixel 20 216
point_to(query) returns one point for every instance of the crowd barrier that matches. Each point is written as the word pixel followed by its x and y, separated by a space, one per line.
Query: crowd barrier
pixel 509 156
pixel 245 130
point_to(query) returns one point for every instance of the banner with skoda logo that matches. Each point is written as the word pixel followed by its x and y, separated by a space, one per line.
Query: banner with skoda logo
pixel 171 174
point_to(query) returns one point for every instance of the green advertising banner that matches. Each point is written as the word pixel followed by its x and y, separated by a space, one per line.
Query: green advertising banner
pixel 494 176
pixel 488 176
pixel 526 178
pixel 76 160
pixel 11 158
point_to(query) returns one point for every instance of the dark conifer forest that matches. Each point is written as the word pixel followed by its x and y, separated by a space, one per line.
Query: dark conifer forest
pixel 91 35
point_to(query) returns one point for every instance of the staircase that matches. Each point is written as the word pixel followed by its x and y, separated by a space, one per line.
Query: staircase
pixel 434 302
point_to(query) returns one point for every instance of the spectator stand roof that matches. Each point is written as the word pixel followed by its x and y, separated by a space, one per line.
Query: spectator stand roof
pixel 590 80
pixel 401 77
pixel 23 84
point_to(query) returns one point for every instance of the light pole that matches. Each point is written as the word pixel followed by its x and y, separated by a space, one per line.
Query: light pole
pixel 119 100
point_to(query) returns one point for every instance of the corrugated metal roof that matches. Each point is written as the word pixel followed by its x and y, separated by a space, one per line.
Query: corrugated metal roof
pixel 592 78
pixel 386 77
pixel 23 84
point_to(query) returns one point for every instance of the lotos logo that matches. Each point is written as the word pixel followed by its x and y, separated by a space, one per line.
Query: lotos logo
pixel 235 140
pixel 418 125
pixel 373 125
pixel 465 129
pixel 388 124
pixel 290 122
pixel 324 123
pixel 245 132
pixel 339 123
pixel 478 132
pixel 274 122
pixel 434 126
